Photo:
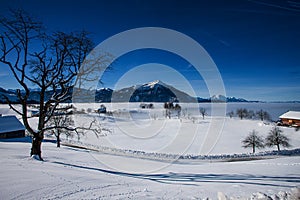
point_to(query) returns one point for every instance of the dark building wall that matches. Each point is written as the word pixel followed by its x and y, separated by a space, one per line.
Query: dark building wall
pixel 13 134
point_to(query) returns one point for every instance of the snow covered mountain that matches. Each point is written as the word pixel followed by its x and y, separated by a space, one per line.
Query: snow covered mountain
pixel 103 95
pixel 11 94
pixel 218 98
pixel 156 91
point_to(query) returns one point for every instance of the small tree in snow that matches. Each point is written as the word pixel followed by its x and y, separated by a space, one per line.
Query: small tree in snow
pixel 178 109
pixel 184 112
pixel 275 138
pixel 203 112
pixel 242 113
pixel 253 140
pixel 194 120
pixel 61 121
pixel 263 115
pixel 169 107
pixel 250 114
pixel 230 114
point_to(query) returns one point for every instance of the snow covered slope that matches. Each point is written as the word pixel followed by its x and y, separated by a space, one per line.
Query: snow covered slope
pixel 72 173
pixel 69 173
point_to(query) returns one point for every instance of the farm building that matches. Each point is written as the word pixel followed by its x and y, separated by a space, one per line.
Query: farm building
pixel 11 127
pixel 291 118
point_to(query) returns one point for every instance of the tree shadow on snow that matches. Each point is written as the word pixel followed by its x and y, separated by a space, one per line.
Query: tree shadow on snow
pixel 193 179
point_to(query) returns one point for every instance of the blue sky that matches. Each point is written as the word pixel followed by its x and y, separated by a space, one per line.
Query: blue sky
pixel 254 43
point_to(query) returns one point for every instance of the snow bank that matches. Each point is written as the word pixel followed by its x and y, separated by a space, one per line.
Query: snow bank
pixel 181 158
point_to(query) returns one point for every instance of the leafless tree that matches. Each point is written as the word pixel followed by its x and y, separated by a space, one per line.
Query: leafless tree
pixel 170 107
pixel 242 113
pixel 62 123
pixel 230 114
pixel 253 140
pixel 49 62
pixel 263 115
pixel 203 112
pixel 61 120
pixel 184 112
pixel 276 138
pixel 250 114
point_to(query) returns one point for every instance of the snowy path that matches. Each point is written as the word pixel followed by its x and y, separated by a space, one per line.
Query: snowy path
pixel 69 173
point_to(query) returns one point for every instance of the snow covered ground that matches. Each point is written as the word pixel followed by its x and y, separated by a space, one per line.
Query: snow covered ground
pixel 115 172
pixel 148 130
pixel 69 173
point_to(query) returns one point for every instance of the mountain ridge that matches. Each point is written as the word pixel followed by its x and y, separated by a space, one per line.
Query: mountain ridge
pixel 155 91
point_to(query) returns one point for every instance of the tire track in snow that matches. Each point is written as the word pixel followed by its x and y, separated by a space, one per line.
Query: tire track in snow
pixel 46 189
pixel 83 192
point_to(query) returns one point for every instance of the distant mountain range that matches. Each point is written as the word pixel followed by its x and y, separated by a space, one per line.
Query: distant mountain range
pixel 33 97
pixel 155 91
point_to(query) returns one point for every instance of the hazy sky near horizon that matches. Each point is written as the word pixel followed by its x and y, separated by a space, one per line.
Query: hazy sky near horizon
pixel 255 44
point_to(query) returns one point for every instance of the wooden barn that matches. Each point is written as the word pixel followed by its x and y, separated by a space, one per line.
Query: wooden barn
pixel 291 118
pixel 11 127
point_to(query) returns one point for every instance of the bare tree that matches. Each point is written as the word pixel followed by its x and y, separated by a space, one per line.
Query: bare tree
pixel 18 33
pixel 275 138
pixel 263 115
pixel 250 114
pixel 203 112
pixel 242 113
pixel 169 107
pixel 253 140
pixel 49 62
pixel 184 112
pixel 58 121
pixel 178 109
pixel 62 123
pixel 230 114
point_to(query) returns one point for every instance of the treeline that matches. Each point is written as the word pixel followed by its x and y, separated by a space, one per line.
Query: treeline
pixel 243 113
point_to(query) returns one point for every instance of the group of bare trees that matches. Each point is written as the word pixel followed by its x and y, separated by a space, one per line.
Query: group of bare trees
pixel 243 113
pixel 47 61
pixel 170 108
pixel 274 138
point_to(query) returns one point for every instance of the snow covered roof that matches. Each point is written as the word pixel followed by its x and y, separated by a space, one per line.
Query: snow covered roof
pixel 291 115
pixel 10 123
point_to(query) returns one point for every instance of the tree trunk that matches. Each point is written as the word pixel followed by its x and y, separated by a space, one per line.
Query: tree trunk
pixel 253 148
pixel 58 140
pixel 278 147
pixel 36 146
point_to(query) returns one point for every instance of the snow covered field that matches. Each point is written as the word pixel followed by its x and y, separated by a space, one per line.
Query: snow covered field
pixel 148 129
pixel 69 173
pixel 72 173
